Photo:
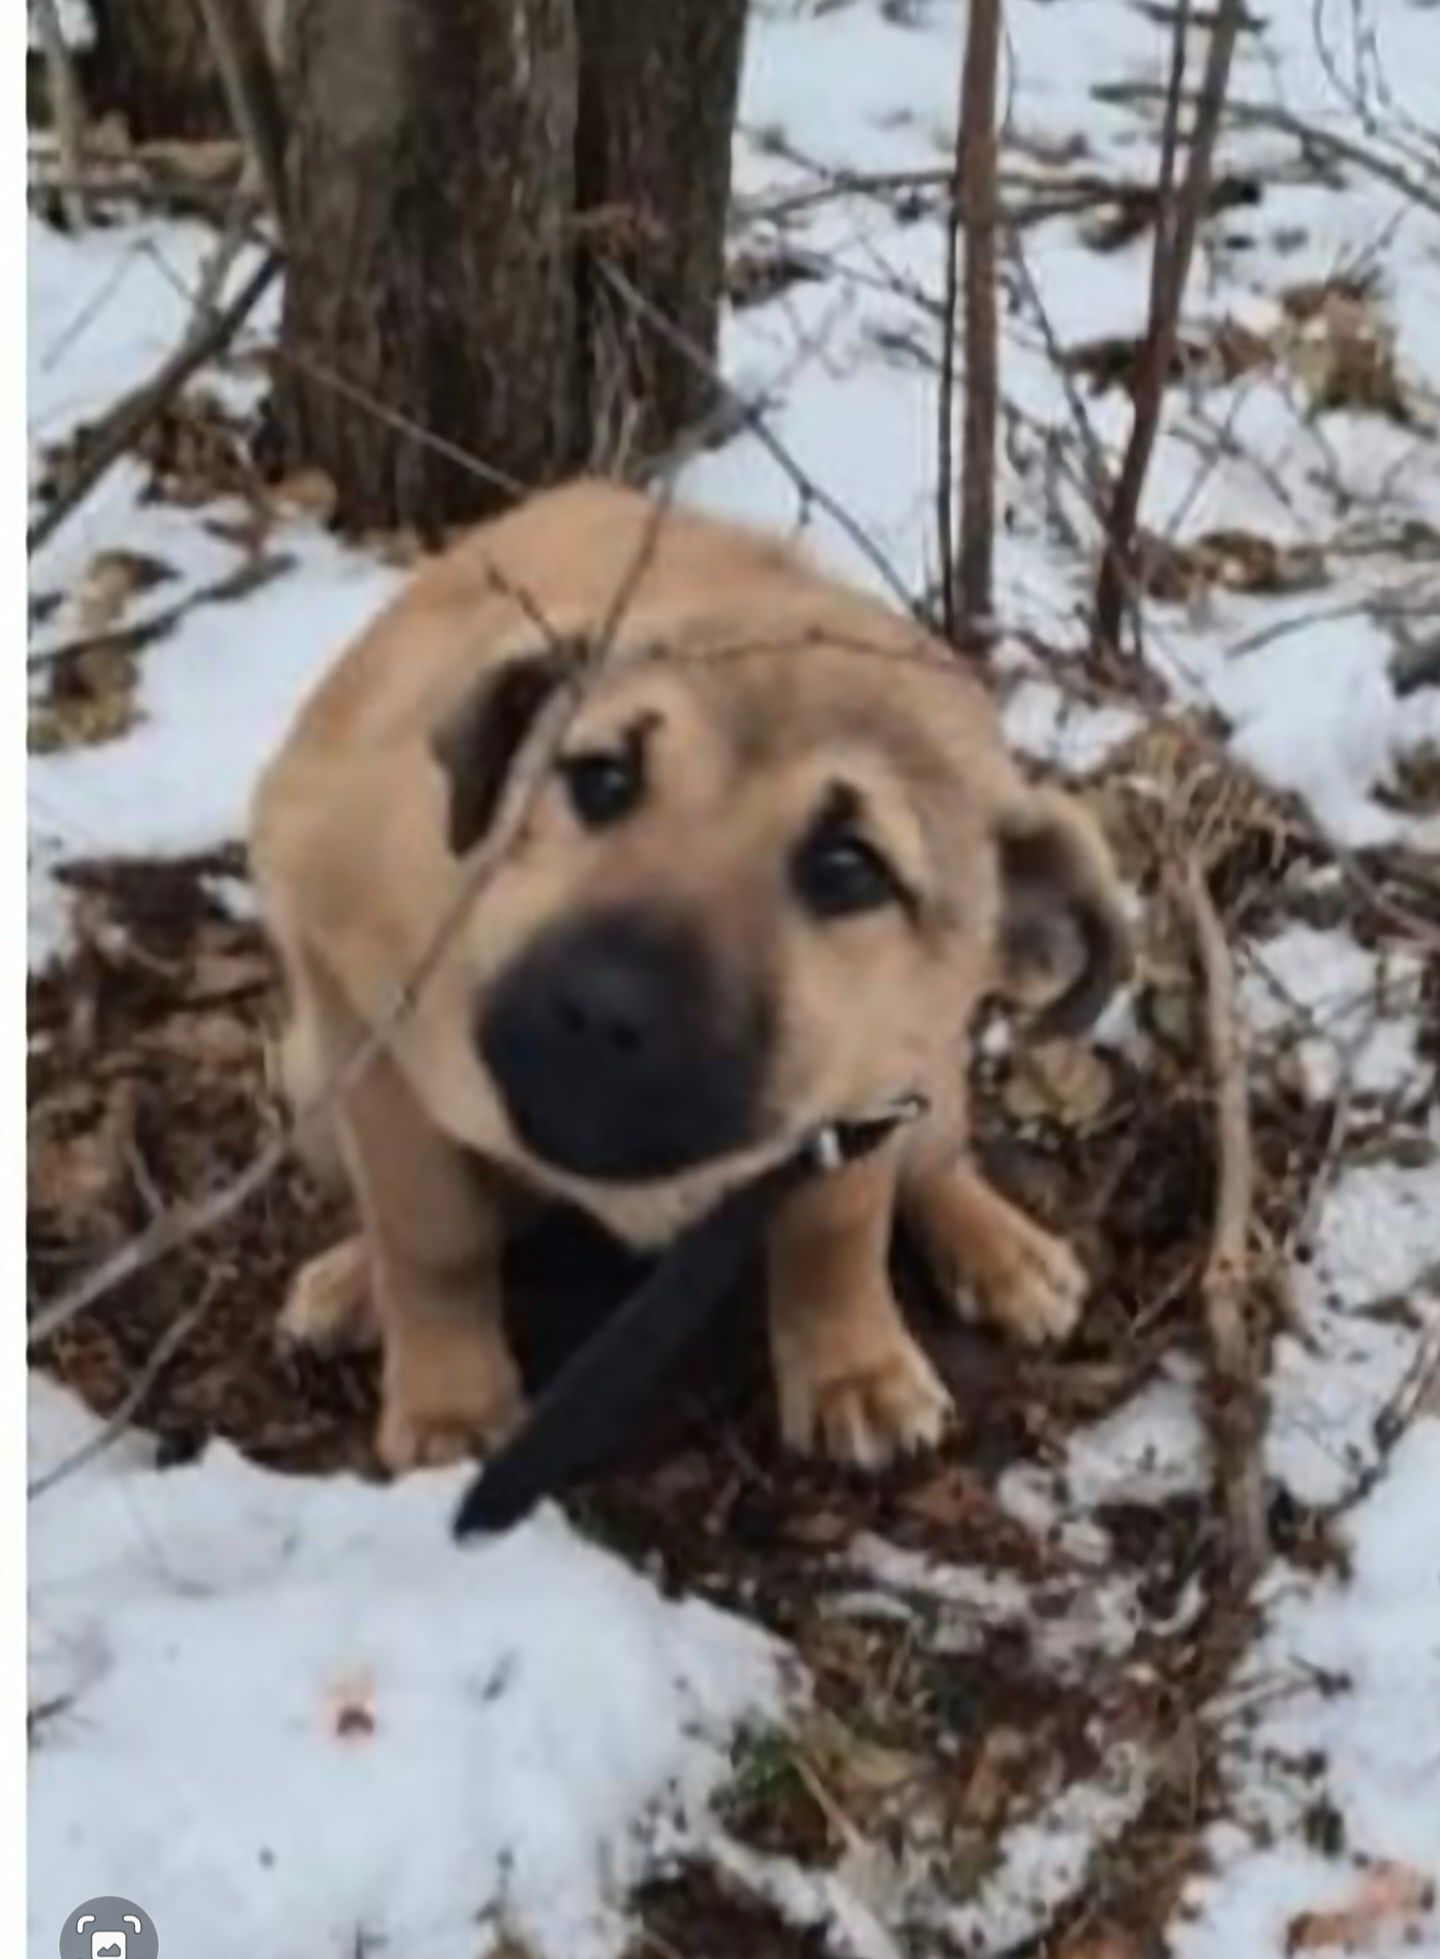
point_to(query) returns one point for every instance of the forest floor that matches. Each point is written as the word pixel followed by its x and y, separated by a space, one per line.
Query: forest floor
pixel 1009 1701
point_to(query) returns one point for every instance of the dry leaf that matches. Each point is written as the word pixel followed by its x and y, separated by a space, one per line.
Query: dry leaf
pixel 860 1775
pixel 1342 351
pixel 305 493
pixel 1113 1943
pixel 1243 561
pixel 111 580
pixel 994 1779
pixel 819 1530
pixel 89 698
pixel 1059 1081
pixel 212 1042
pixel 216 974
pixel 1236 560
pixel 81 1158
pixel 403 548
pixel 351 1707
pixel 1389 1901
pixel 950 1499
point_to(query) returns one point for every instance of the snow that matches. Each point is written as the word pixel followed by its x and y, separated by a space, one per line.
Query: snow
pixel 197 768
pixel 1366 1299
pixel 540 1714
pixel 1376 1734
pixel 1357 1009
pixel 301 1713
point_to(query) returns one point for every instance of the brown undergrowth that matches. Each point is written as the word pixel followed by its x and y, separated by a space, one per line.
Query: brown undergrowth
pixel 147 1083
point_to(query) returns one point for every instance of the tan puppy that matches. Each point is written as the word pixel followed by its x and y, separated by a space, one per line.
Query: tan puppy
pixel 780 858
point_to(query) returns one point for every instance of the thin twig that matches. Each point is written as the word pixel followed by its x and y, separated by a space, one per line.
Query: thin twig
pixel 134 638
pixel 1162 259
pixel 186 1222
pixel 215 273
pixel 750 417
pixel 129 419
pixel 945 408
pixel 464 459
pixel 164 1350
pixel 1311 135
pixel 1174 247
pixel 1236 1402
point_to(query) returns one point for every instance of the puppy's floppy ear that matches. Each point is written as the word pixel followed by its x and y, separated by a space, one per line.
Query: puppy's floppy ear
pixel 1064 939
pixel 478 740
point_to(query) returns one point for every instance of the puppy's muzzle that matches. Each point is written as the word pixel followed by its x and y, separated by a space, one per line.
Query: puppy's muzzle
pixel 619 1053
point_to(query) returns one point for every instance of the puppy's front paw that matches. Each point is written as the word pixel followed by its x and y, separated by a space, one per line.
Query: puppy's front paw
pixel 444 1407
pixel 329 1308
pixel 865 1411
pixel 1032 1285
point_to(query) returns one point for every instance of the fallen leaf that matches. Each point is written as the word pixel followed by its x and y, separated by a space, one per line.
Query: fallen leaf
pixel 949 1499
pixel 859 1774
pixel 111 580
pixel 1389 1901
pixel 994 1779
pixel 212 1042
pixel 88 698
pixel 351 1706
pixel 1342 350
pixel 819 1530
pixel 1059 1081
pixel 306 493
pixel 1110 1944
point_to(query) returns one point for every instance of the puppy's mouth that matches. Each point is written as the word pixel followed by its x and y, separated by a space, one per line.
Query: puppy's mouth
pixel 619 1053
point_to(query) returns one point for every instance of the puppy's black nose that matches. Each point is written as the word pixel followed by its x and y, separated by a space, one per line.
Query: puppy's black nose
pixel 619 1053
pixel 612 1003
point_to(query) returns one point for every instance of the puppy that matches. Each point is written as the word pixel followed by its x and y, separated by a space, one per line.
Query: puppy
pixel 780 856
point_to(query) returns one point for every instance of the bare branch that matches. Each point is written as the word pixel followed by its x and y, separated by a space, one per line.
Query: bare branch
pixel 1174 248
pixel 1236 1400
pixel 180 1225
pixel 164 1350
pixel 1310 135
pixel 977 173
pixel 749 417
pixel 945 407
pixel 208 335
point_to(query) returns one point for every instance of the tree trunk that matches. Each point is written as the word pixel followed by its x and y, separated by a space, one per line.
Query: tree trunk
pixel 151 63
pixel 459 171
pixel 658 86
pixel 431 182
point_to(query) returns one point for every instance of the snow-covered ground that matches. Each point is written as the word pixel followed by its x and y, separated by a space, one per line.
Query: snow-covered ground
pixel 292 1709
pixel 290 1712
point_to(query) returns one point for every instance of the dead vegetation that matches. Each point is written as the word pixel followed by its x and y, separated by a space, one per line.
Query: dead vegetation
pixel 918 1750
pixel 147 1082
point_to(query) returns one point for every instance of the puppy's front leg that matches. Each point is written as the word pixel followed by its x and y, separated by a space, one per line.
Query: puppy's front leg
pixel 433 1232
pixel 1028 1282
pixel 850 1381
pixel 427 1265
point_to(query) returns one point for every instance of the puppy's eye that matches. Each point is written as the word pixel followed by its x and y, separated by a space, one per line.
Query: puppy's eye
pixel 603 786
pixel 838 874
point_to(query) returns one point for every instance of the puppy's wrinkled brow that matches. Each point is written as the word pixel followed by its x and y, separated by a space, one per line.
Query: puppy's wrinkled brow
pixel 630 740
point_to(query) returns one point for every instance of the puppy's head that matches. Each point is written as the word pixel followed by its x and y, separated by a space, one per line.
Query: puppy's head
pixel 753 895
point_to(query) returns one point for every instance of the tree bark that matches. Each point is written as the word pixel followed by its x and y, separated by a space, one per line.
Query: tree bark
pixel 430 193
pixel 658 86
pixel 151 63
